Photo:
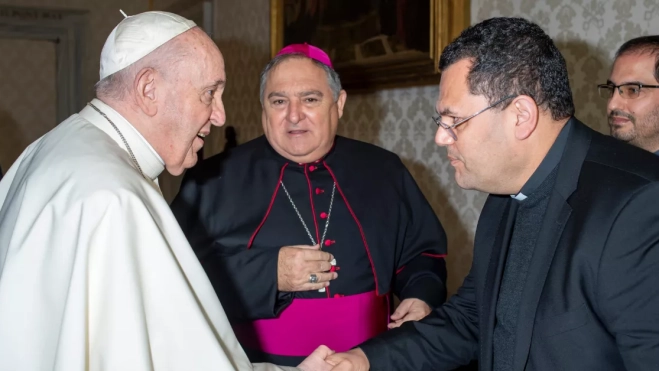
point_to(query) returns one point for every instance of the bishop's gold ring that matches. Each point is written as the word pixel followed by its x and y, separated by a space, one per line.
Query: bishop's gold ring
pixel 313 278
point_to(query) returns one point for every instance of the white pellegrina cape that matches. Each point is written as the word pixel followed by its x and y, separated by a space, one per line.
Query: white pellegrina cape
pixel 95 273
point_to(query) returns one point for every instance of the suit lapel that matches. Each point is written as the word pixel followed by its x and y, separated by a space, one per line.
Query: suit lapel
pixel 557 214
pixel 497 236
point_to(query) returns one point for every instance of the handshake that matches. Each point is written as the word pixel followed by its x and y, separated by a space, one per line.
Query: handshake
pixel 325 359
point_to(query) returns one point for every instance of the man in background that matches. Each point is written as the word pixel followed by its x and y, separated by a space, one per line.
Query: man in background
pixel 632 91
pixel 564 273
pixel 306 235
pixel 95 273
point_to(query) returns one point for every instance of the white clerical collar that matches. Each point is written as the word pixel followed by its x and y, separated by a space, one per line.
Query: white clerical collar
pixel 150 162
pixel 519 197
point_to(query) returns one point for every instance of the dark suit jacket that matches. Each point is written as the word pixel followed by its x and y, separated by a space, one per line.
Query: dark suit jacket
pixel 591 298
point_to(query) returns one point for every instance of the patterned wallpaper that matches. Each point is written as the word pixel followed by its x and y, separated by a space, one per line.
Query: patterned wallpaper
pixel 27 71
pixel 586 31
pixel 103 16
pixel 26 76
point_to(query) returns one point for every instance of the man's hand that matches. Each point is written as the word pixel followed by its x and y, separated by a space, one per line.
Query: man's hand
pixel 316 360
pixel 409 310
pixel 354 360
pixel 297 263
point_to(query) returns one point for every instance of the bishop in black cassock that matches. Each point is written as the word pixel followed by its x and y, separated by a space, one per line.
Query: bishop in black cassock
pixel 358 201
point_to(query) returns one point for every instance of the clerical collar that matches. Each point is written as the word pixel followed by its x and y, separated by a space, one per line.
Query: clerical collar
pixel 548 164
pixel 151 163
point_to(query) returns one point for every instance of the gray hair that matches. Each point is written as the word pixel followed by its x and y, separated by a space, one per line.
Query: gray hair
pixel 333 79
pixel 117 85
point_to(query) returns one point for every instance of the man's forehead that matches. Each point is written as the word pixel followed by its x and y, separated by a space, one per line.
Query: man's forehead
pixel 444 108
pixel 212 68
pixel 453 100
pixel 451 96
pixel 634 67
pixel 297 75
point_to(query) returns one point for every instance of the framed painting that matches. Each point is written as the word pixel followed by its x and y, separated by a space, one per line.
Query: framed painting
pixel 373 44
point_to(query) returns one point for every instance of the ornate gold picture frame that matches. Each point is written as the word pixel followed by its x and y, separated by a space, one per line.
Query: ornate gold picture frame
pixel 373 44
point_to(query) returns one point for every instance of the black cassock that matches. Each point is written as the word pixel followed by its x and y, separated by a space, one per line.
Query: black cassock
pixel 385 237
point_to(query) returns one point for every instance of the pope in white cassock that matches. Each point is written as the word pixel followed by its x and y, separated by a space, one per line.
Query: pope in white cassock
pixel 95 273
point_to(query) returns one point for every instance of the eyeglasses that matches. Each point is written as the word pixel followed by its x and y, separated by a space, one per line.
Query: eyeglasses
pixel 627 91
pixel 449 128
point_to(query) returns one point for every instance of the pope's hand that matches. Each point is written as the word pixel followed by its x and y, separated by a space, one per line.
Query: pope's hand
pixel 297 264
pixel 353 360
pixel 316 361
pixel 409 310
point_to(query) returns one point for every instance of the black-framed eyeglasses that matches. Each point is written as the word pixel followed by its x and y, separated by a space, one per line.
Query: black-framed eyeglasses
pixel 628 91
pixel 449 128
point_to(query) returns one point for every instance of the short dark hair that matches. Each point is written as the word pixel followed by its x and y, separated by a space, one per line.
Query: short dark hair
pixel 512 56
pixel 644 44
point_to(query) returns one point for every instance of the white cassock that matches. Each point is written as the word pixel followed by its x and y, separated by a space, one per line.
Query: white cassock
pixel 95 273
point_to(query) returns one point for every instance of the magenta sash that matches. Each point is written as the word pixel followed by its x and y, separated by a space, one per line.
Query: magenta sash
pixel 341 323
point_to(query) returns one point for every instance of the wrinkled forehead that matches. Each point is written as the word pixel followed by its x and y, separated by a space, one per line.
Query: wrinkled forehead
pixel 207 59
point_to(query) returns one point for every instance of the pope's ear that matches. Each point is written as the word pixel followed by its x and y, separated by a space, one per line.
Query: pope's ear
pixel 144 87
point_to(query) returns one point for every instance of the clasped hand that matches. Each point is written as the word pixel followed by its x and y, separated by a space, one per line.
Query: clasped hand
pixel 296 264
pixel 324 359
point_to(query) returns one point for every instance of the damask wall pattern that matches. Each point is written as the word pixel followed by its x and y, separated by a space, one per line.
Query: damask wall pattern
pixel 586 31
pixel 102 17
pixel 26 76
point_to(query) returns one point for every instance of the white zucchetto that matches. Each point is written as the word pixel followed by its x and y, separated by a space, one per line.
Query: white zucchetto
pixel 138 35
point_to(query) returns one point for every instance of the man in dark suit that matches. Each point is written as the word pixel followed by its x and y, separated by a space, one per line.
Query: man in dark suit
pixel 566 253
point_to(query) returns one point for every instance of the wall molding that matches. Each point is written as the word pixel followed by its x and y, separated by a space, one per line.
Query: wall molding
pixel 64 28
